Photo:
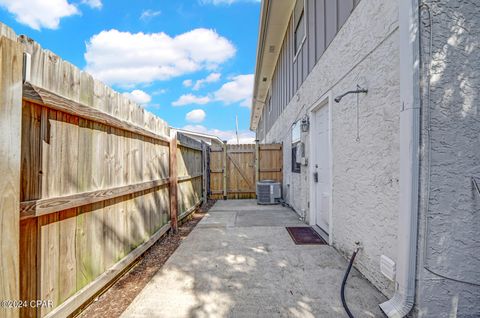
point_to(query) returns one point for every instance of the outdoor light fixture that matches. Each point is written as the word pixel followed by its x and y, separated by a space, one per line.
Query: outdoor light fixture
pixel 305 124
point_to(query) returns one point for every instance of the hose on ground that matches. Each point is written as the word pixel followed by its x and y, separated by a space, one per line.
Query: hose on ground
pixel 344 282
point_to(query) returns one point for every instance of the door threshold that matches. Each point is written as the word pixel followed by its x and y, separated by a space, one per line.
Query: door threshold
pixel 321 232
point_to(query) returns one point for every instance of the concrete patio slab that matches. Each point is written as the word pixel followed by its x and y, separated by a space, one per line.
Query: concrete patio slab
pixel 222 219
pixel 267 218
pixel 240 262
pixel 243 205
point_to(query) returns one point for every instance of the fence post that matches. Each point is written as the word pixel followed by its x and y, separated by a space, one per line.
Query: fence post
pixel 204 172
pixel 225 170
pixel 11 68
pixel 173 182
pixel 257 161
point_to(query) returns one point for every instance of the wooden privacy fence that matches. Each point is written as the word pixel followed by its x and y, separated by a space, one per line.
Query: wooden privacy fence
pixel 190 172
pixel 89 181
pixel 234 169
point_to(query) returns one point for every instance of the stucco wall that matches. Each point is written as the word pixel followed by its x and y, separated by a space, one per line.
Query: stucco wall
pixel 365 173
pixel 448 270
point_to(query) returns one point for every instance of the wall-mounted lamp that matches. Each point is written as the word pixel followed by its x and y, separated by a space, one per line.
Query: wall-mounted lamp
pixel 305 124
pixel 357 91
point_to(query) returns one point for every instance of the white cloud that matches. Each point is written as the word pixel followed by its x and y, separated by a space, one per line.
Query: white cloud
pixel 244 136
pixel 211 78
pixel 39 14
pixel 149 14
pixel 95 4
pixel 225 2
pixel 239 89
pixel 139 97
pixel 196 116
pixel 189 99
pixel 187 83
pixel 126 58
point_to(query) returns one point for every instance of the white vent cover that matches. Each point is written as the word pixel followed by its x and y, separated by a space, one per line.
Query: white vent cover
pixel 387 267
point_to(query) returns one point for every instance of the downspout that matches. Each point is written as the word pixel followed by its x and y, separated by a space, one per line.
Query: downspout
pixel 403 300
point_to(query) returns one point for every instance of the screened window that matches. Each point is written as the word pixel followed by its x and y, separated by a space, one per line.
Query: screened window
pixel 299 33
pixel 299 16
pixel 295 147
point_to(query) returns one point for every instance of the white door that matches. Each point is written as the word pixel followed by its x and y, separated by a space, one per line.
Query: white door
pixel 321 167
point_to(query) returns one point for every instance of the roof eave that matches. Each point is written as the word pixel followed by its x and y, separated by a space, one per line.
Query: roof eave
pixel 260 49
pixel 274 18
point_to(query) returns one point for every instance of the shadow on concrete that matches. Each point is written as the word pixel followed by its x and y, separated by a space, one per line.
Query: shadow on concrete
pixel 238 263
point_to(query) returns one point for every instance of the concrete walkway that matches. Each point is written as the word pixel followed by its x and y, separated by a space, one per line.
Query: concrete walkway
pixel 240 262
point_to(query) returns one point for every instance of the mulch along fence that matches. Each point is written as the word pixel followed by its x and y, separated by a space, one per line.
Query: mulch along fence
pixel 89 181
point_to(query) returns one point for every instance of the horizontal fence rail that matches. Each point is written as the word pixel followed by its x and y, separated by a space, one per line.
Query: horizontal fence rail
pixel 40 207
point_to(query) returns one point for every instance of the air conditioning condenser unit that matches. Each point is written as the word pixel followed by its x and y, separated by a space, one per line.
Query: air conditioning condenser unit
pixel 269 192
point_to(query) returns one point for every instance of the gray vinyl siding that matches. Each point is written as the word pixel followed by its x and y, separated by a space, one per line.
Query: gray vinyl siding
pixel 330 20
pixel 320 42
pixel 261 128
pixel 323 19
pixel 312 59
pixel 345 7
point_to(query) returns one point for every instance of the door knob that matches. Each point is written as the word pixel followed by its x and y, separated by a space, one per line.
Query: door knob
pixel 315 176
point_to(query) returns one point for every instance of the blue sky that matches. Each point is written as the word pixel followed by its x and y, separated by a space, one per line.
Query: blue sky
pixel 189 62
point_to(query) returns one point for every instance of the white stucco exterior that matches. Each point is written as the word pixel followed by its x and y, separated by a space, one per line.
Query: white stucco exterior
pixel 448 265
pixel 365 173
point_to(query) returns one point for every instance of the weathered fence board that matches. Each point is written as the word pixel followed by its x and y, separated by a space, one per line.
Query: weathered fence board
pixel 45 206
pixel 234 169
pixel 190 173
pixel 10 139
pixel 270 162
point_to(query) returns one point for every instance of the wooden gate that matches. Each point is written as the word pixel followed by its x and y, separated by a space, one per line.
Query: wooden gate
pixel 234 169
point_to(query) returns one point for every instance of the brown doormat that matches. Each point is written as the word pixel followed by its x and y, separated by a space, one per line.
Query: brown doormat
pixel 304 235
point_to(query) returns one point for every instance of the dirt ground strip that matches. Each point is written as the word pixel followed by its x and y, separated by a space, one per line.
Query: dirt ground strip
pixel 117 298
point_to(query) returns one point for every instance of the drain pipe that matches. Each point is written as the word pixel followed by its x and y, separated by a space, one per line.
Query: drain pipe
pixel 403 300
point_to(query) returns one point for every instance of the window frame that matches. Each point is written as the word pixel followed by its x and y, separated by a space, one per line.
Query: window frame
pixel 294 143
pixel 296 166
pixel 303 15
